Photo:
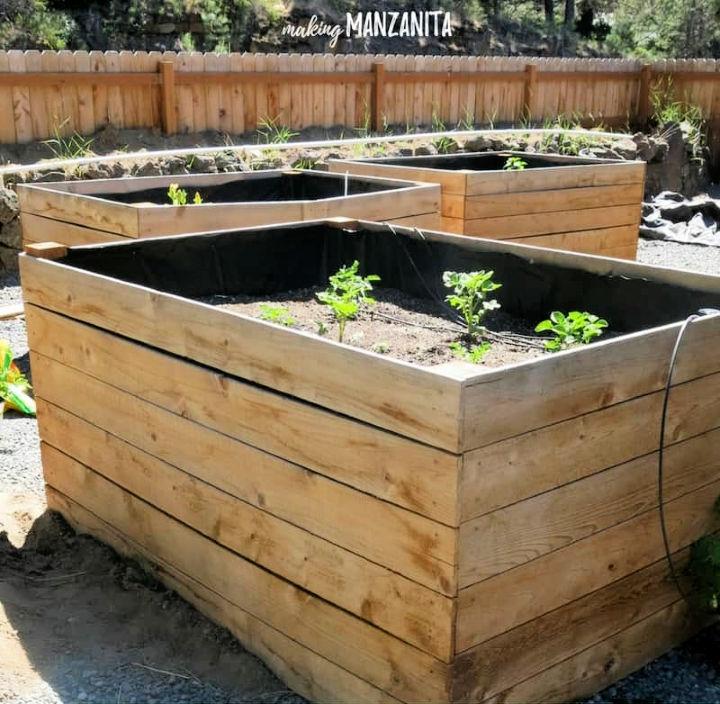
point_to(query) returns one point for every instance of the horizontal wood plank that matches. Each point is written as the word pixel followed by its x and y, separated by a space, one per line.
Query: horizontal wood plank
pixel 509 471
pixel 526 530
pixel 416 402
pixel 533 589
pixel 559 200
pixel 551 223
pixel 36 229
pixel 525 651
pixel 600 375
pixel 384 661
pixel 410 474
pixel 309 674
pixel 603 242
pixel 415 614
pixel 414 546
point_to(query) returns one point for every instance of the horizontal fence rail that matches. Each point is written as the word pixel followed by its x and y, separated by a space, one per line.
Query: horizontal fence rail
pixel 45 94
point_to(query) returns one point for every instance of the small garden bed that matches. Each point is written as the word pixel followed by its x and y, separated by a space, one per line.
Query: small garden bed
pixel 104 210
pixel 547 200
pixel 386 522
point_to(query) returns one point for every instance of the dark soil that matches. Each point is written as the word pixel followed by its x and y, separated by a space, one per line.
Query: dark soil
pixel 398 325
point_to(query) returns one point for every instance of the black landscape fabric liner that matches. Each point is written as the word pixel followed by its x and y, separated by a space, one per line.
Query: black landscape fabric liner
pixel 274 187
pixel 270 260
pixel 480 161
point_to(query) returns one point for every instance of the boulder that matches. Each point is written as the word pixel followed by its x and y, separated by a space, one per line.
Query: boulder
pixel 11 234
pixel 9 206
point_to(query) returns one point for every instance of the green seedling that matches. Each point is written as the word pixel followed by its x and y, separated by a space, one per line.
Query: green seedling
pixel 347 294
pixel 470 296
pixel 382 347
pixel 279 315
pixel 322 329
pixel 179 196
pixel 14 386
pixel 473 353
pixel 575 328
pixel 515 163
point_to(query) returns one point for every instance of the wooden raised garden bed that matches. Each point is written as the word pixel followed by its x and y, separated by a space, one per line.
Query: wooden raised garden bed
pixel 106 210
pixel 374 529
pixel 563 202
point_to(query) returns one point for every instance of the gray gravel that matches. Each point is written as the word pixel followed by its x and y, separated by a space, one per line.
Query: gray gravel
pixel 20 469
pixel 680 256
pixel 687 674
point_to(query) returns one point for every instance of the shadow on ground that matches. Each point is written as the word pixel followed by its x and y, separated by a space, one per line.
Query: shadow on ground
pixel 78 623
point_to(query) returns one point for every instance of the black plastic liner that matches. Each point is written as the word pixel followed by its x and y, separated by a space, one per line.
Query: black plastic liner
pixel 480 161
pixel 274 259
pixel 274 187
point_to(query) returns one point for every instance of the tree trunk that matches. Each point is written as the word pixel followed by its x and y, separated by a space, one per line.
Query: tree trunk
pixel 549 11
pixel 569 14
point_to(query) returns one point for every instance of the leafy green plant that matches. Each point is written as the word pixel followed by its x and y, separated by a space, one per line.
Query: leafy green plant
pixel 347 294
pixel 14 386
pixel 666 109
pixel 575 328
pixel 704 568
pixel 514 163
pixel 470 296
pixel 381 347
pixel 277 314
pixel 470 353
pixel 444 145
pixel 74 146
pixel 273 133
pixel 304 162
pixel 179 196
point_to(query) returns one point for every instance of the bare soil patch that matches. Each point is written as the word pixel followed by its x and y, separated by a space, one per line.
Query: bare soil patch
pixel 398 325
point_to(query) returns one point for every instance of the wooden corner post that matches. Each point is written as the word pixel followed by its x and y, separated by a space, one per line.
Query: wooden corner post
pixel 167 96
pixel 530 91
pixel 378 95
pixel 643 111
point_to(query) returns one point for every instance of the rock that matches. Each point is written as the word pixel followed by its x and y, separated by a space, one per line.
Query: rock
pixel 202 164
pixel 405 151
pixel 95 171
pixel 626 149
pixel 229 162
pixel 481 143
pixel 148 168
pixel 8 258
pixel 11 234
pixel 425 150
pixel 670 195
pixel 174 165
pixel 9 206
pixel 48 177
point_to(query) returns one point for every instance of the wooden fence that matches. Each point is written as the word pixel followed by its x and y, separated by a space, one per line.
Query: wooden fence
pixel 45 92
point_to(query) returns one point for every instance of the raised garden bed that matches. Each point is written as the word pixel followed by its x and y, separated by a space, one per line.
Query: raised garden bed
pixel 563 202
pixel 376 528
pixel 106 210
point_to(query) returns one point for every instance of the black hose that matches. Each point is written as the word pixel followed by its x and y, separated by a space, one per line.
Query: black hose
pixel 702 313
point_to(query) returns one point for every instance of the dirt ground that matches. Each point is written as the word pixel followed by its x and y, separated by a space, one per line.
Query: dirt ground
pixel 397 325
pixel 78 623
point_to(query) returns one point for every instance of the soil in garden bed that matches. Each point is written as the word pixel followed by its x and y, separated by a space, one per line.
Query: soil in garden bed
pixel 398 325
pixel 474 161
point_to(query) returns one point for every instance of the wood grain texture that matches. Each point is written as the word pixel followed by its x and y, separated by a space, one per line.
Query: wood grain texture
pixel 415 546
pixel 415 614
pixel 381 392
pixel 379 463
pixel 351 643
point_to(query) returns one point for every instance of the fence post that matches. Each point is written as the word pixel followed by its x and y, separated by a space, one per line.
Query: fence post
pixel 166 69
pixel 530 89
pixel 643 113
pixel 378 93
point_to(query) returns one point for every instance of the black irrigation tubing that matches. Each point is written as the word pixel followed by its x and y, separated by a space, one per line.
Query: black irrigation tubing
pixel 702 313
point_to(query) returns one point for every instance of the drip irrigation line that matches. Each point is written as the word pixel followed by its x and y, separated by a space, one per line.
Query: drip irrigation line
pixel 314 144
pixel 702 313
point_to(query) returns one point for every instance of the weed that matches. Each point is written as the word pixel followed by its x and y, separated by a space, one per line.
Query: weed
pixel 472 353
pixel 179 196
pixel 467 121
pixel 382 347
pixel 14 386
pixel 73 147
pixel 469 296
pixel 515 163
pixel 668 110
pixel 364 129
pixel 565 143
pixel 704 568
pixel 273 133
pixel 444 145
pixel 279 315
pixel 575 328
pixel 322 329
pixel 347 293
pixel 304 162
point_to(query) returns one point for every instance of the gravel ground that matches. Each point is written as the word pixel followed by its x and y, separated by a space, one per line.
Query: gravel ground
pixel 103 666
